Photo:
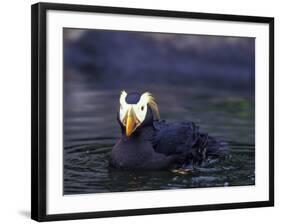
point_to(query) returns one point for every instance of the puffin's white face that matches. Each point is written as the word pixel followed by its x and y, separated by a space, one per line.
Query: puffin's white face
pixel 132 115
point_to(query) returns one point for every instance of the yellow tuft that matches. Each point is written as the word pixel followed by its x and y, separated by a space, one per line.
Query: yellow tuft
pixel 152 103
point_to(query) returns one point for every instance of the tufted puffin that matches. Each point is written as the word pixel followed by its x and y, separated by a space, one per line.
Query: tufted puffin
pixel 148 143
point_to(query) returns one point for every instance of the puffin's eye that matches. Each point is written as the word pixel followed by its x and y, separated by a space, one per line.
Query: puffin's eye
pixel 142 108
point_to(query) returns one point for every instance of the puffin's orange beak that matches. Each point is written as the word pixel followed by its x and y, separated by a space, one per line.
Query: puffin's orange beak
pixel 131 122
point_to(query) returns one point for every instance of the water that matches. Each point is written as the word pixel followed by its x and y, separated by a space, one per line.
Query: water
pixel 91 130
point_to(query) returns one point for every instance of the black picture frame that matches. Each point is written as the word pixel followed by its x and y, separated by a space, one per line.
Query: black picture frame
pixel 38 108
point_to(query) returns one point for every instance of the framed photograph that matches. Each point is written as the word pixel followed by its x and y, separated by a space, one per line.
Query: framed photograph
pixel 139 111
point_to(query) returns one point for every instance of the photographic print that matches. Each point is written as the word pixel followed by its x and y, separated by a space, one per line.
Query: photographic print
pixel 132 106
pixel 157 111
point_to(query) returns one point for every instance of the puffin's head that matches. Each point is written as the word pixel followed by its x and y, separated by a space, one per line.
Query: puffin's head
pixel 135 110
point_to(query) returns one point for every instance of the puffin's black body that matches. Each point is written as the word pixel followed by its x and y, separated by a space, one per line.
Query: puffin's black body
pixel 158 145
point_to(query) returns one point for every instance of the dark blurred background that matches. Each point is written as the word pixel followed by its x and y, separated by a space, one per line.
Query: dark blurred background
pixel 113 59
pixel 206 79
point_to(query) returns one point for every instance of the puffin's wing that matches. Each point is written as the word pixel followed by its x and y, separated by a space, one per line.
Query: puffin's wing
pixel 174 138
pixel 185 138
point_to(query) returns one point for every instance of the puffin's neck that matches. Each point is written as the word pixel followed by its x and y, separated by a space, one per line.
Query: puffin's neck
pixel 144 134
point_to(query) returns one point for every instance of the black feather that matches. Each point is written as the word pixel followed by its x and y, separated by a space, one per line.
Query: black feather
pixel 186 139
